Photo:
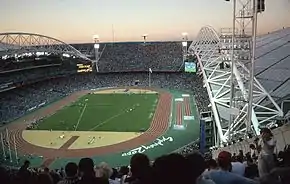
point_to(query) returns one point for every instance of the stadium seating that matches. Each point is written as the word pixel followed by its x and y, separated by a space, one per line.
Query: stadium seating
pixel 160 56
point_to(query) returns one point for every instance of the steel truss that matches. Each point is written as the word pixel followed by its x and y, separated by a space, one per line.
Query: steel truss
pixel 19 43
pixel 215 64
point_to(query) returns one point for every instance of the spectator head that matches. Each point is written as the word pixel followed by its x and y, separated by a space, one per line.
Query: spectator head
pixel 86 166
pixel 44 178
pixel 224 160
pixel 114 174
pixel 105 170
pixel 26 163
pixel 211 164
pixel 173 168
pixel 46 170
pixel 194 160
pixel 266 132
pixel 139 164
pixel 240 158
pixel 124 170
pixel 71 169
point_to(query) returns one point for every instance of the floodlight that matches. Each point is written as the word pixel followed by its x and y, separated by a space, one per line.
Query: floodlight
pixel 96 46
pixel 144 35
pixel 184 34
pixel 96 37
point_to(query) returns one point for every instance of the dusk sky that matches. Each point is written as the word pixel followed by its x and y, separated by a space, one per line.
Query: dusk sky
pixel 75 21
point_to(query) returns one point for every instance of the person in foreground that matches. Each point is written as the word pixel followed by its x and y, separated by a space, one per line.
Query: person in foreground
pixel 87 173
pixel 266 146
pixel 224 175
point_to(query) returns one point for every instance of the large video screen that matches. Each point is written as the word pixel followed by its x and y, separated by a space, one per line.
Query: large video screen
pixel 190 67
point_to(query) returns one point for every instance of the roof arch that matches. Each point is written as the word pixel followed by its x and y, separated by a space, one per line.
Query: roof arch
pixel 206 36
pixel 21 42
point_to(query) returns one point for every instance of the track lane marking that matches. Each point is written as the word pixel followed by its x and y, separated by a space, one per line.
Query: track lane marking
pixel 80 117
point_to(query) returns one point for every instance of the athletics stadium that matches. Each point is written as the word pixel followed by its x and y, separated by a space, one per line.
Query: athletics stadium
pixel 61 102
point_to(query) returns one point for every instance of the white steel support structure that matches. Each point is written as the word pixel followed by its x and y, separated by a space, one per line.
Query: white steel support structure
pixel 184 46
pixel 224 62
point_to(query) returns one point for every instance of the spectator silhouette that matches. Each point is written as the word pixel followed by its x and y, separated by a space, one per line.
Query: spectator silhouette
pixel 251 171
pixel 171 169
pixel 197 166
pixel 141 172
pixel 71 171
pixel 44 178
pixel 23 175
pixel 224 175
pixel 266 147
pixel 87 173
pixel 106 172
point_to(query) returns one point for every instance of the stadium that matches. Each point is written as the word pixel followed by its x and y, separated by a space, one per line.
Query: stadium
pixel 108 115
pixel 108 101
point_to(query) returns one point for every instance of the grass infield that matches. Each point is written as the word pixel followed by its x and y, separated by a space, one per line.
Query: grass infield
pixel 104 112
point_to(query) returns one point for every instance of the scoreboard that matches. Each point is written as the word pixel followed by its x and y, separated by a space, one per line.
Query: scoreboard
pixel 190 67
pixel 190 64
pixel 84 68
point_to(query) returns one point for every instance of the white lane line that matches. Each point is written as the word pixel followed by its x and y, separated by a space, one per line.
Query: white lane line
pixel 112 117
pixel 107 120
pixel 80 117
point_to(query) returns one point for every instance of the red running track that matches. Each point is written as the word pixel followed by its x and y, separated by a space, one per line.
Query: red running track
pixel 179 113
pixel 187 106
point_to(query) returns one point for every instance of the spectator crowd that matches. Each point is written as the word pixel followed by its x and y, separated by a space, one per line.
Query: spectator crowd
pixel 159 56
pixel 260 166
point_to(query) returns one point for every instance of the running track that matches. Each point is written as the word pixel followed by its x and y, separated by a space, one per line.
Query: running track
pixel 158 127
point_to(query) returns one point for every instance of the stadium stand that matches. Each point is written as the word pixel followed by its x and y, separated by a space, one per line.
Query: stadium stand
pixel 160 56
pixel 49 84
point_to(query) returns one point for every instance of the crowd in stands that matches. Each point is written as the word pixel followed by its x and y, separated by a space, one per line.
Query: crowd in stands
pixel 259 166
pixel 17 102
pixel 160 56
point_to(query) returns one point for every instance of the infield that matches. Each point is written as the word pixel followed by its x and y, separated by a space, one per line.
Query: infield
pixel 85 139
pixel 116 112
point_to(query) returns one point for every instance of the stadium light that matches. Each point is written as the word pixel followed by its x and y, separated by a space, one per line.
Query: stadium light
pixel 96 39
pixel 144 37
pixel 184 45
pixel 184 36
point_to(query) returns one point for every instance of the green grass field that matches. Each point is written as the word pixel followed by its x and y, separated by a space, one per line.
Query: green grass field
pixel 104 112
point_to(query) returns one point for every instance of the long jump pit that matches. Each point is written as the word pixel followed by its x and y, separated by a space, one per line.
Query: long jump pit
pixel 72 144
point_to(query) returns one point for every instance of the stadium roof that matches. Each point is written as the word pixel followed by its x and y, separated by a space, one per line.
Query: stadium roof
pixel 272 66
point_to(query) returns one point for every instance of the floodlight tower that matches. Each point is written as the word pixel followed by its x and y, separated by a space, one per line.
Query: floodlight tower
pixel 184 45
pixel 96 47
pixel 145 37
pixel 239 43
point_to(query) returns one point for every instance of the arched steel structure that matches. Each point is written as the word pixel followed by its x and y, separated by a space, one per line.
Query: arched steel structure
pixel 18 43
pixel 215 66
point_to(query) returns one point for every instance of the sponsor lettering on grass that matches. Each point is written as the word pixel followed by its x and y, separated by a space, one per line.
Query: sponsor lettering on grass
pixel 158 142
